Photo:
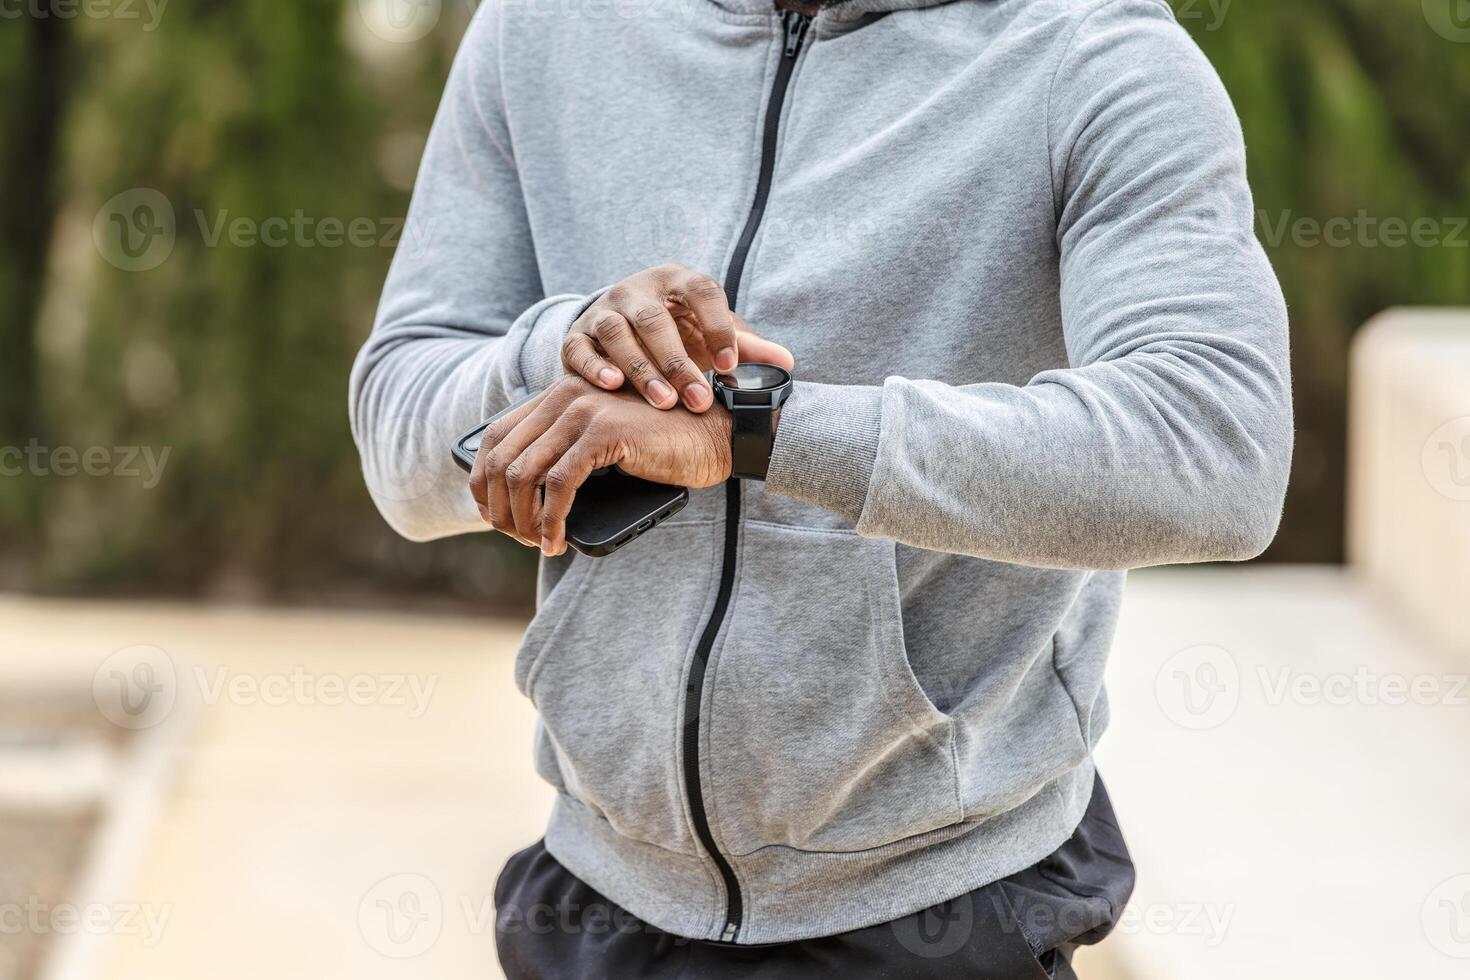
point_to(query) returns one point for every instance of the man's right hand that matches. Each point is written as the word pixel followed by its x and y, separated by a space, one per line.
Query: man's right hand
pixel 661 329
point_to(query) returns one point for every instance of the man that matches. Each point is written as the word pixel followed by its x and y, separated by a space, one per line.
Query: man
pixel 837 716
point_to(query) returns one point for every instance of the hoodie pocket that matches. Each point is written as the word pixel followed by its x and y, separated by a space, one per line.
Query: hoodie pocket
pixel 553 614
pixel 820 736
pixel 607 680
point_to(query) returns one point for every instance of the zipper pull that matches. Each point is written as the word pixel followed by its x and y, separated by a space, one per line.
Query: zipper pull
pixel 796 27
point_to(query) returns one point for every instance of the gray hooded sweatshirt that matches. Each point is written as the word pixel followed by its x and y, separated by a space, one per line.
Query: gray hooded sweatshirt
pixel 1010 245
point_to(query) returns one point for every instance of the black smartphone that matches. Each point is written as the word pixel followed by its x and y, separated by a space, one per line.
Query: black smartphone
pixel 610 509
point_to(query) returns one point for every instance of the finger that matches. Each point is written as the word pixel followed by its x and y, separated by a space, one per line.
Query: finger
pixel 524 477
pixel 499 460
pixel 706 299
pixel 616 337
pixel 489 439
pixel 694 344
pixel 659 335
pixel 479 487
pixel 580 356
pixel 757 349
pixel 562 481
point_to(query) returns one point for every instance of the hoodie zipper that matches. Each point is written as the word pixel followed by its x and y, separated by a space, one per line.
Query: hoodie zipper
pixel 796 25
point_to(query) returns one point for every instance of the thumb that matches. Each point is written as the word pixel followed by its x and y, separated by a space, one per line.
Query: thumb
pixel 753 348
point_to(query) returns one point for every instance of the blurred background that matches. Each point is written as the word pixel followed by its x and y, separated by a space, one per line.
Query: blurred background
pixel 198 203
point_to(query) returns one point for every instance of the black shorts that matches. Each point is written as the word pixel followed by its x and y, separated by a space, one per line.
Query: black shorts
pixel 550 925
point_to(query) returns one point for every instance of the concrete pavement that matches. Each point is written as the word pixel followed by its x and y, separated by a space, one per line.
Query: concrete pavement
pixel 341 789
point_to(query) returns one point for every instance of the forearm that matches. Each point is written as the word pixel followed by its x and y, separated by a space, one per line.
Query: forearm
pixel 1117 465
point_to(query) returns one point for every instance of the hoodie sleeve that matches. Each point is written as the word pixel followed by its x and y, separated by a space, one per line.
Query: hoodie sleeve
pixel 464 327
pixel 1168 438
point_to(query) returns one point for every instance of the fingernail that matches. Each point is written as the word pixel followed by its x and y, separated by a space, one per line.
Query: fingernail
pixel 608 377
pixel 698 395
pixel 546 547
pixel 725 359
pixel 485 514
pixel 659 392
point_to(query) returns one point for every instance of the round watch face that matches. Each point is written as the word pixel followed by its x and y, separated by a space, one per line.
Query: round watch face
pixel 754 377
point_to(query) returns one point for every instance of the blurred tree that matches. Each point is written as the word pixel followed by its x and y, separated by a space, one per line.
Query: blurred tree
pixel 33 57
pixel 1356 110
pixel 240 169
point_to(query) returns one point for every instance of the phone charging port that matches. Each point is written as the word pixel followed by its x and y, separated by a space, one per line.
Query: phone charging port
pixel 646 525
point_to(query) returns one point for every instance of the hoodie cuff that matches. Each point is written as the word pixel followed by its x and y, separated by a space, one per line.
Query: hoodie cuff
pixel 539 364
pixel 826 446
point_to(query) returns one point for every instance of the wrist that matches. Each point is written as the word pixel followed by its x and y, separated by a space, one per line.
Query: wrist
pixel 719 424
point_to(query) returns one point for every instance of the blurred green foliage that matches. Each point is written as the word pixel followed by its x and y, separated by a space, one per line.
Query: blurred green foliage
pixel 233 352
pixel 235 357
pixel 1357 110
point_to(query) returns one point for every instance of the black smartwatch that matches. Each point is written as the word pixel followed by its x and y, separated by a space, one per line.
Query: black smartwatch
pixel 754 394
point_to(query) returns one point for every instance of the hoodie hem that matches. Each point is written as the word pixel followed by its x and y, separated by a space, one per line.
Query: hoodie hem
pixel 793 895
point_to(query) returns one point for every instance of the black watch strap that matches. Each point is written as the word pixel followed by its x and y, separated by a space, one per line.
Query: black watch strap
pixel 752 437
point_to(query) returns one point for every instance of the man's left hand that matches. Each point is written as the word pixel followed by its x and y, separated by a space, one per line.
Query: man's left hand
pixel 557 439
